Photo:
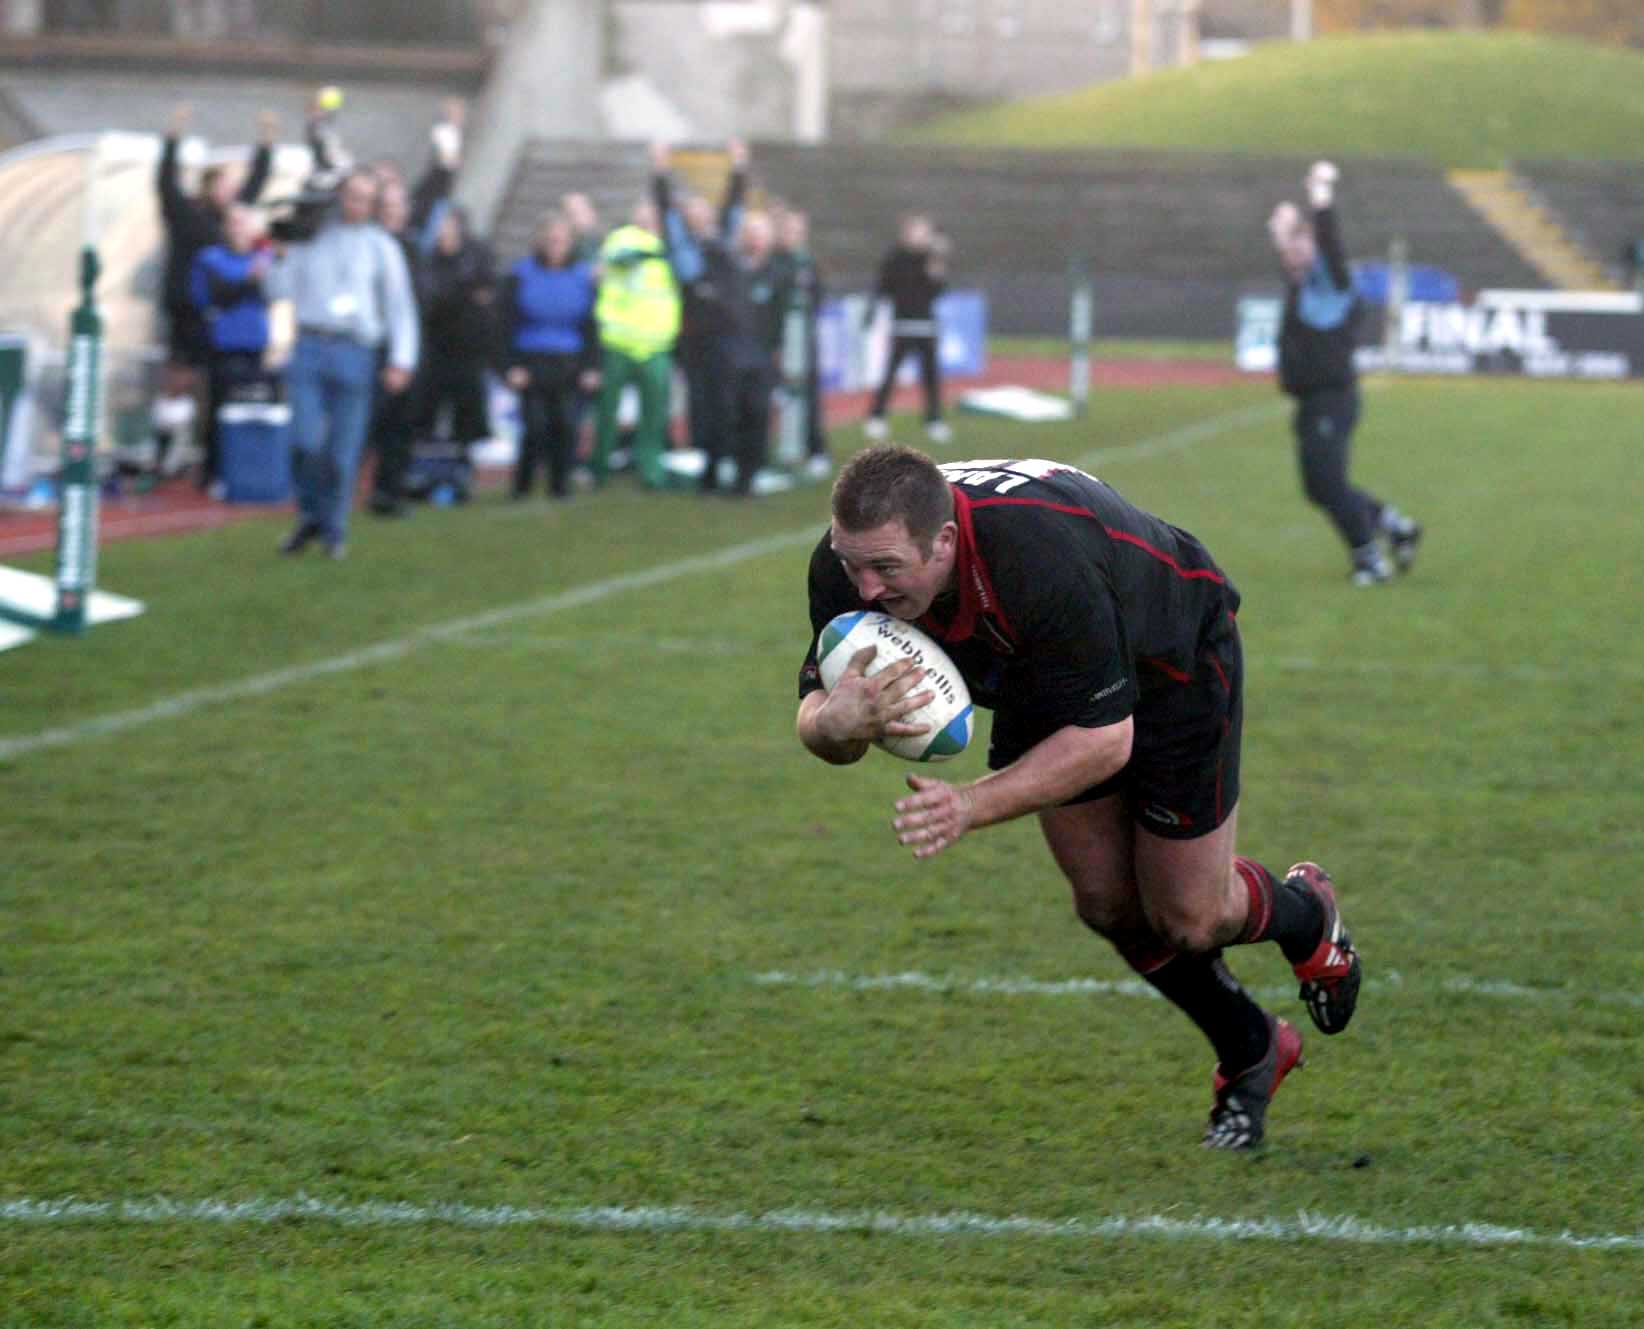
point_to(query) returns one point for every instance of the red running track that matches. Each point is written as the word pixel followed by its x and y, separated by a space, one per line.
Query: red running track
pixel 177 506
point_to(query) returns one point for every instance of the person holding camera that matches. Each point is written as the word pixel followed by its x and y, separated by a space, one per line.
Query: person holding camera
pixel 352 300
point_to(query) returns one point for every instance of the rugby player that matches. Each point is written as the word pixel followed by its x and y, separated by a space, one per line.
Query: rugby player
pixel 1105 642
pixel 1316 343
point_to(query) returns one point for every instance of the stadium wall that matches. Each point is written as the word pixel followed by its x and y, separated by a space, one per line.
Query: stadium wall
pixel 1172 239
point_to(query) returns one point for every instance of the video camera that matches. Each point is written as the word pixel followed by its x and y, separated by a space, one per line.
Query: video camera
pixel 298 219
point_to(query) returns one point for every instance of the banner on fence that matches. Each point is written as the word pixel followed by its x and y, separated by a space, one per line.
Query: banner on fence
pixel 852 357
pixel 1537 334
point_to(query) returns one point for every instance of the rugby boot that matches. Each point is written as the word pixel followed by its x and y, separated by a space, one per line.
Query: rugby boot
pixel 1238 1117
pixel 1370 566
pixel 1403 543
pixel 1330 976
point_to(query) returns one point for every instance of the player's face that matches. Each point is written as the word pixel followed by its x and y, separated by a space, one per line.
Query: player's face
pixel 359 199
pixel 1297 252
pixel 241 228
pixel 887 566
pixel 699 215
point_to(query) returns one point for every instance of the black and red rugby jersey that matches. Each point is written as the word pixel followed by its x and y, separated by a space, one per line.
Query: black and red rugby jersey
pixel 1071 604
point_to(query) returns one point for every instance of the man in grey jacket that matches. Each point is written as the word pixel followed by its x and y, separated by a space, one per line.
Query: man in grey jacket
pixel 351 298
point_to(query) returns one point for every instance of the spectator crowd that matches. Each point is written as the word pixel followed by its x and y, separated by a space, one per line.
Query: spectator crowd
pixel 374 312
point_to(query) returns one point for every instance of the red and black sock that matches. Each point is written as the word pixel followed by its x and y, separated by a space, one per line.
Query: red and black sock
pixel 1282 911
pixel 1201 987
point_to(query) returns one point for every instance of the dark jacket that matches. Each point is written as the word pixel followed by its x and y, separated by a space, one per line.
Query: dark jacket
pixel 1322 313
pixel 456 301
pixel 192 224
pixel 906 280
pixel 704 266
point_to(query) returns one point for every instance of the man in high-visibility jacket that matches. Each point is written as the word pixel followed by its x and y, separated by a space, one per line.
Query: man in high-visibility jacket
pixel 638 316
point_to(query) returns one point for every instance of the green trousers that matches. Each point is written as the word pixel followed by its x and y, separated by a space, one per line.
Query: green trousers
pixel 653 377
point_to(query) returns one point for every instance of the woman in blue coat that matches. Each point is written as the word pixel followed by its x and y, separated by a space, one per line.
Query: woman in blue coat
pixel 550 351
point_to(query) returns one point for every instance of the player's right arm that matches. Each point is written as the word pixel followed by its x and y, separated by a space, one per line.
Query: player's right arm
pixel 166 183
pixel 837 725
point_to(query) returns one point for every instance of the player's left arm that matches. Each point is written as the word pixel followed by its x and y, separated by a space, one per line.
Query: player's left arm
pixel 1070 761
pixel 1321 196
pixel 1082 681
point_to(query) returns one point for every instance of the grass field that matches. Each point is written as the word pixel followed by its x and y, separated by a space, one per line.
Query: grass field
pixel 1460 99
pixel 457 936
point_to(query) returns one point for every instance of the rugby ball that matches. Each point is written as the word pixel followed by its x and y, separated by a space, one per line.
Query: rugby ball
pixel 949 717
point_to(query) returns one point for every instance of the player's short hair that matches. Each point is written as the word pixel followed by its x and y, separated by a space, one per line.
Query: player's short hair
pixel 891 483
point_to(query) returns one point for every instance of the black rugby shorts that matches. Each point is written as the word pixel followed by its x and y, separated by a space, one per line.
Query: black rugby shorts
pixel 1182 779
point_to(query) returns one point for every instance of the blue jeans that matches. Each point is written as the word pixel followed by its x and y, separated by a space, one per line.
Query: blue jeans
pixel 330 386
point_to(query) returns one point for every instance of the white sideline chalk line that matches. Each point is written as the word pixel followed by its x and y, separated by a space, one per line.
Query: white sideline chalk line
pixel 597 1218
pixel 260 685
pixel 1393 981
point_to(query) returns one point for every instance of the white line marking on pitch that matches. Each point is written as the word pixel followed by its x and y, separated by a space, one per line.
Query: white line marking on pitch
pixel 260 685
pixel 1392 981
pixel 598 1218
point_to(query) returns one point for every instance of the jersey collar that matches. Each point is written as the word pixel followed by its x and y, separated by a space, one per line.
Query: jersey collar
pixel 973 587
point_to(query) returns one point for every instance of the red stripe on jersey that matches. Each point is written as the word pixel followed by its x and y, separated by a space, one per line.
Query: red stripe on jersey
pixel 1113 532
pixel 977 598
pixel 1165 667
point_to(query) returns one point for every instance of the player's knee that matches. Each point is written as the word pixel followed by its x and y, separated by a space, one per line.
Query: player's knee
pixel 1320 491
pixel 1100 915
pixel 1185 927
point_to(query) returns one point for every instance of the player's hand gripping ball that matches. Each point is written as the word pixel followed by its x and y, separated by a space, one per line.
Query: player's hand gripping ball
pixel 948 718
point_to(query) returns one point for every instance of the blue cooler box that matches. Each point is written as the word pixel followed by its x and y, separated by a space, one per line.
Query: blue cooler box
pixel 254 438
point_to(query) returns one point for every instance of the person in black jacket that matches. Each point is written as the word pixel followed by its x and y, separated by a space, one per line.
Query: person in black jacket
pixel 413 219
pixel 194 223
pixel 912 276
pixel 391 413
pixel 458 298
pixel 1316 343
pixel 757 299
pixel 699 247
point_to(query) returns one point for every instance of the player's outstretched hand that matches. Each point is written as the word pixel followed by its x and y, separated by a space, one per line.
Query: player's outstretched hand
pixel 1321 184
pixel 933 816
pixel 859 707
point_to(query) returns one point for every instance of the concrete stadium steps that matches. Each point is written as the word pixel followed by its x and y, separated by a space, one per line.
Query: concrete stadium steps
pixel 1509 206
pixel 614 175
pixel 1172 239
pixel 1600 203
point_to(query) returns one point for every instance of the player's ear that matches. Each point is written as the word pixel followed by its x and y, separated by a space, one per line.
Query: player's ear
pixel 946 542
